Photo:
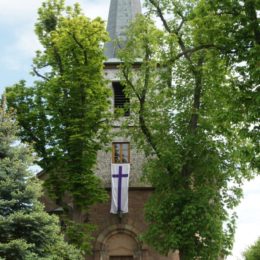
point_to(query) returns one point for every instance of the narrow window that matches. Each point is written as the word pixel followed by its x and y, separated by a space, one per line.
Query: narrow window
pixel 121 153
pixel 120 100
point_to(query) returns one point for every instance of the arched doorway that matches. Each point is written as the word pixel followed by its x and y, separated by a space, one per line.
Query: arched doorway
pixel 118 243
pixel 121 246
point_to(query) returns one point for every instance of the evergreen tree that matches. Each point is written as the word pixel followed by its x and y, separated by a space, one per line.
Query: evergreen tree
pixel 26 230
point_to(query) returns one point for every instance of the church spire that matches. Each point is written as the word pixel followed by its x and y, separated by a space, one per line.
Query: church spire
pixel 121 13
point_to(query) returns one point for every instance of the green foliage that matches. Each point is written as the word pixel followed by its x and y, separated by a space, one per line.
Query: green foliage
pixel 253 252
pixel 80 235
pixel 26 230
pixel 65 114
pixel 234 29
pixel 183 98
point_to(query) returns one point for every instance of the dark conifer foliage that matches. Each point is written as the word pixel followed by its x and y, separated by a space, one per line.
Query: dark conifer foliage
pixel 26 230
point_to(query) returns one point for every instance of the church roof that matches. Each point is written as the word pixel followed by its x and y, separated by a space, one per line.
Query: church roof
pixel 121 13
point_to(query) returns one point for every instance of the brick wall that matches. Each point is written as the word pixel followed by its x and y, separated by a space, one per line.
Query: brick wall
pixel 131 223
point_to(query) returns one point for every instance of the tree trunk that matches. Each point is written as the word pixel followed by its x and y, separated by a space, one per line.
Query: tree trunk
pixel 182 255
pixel 250 8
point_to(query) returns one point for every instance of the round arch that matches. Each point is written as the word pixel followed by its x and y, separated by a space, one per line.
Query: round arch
pixel 118 240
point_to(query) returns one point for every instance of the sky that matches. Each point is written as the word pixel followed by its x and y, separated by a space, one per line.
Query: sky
pixel 18 44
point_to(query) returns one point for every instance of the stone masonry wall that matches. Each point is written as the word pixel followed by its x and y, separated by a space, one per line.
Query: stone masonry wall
pixel 104 157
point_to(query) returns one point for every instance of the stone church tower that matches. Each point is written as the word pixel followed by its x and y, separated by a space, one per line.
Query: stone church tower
pixel 117 237
pixel 117 233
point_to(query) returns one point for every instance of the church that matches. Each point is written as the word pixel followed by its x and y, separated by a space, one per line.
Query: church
pixel 120 220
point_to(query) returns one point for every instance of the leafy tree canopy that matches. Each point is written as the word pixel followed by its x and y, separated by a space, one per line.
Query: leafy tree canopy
pixel 253 252
pixel 234 29
pixel 65 114
pixel 186 102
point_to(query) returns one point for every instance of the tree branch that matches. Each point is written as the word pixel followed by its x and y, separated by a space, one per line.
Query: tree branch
pixel 186 54
pixel 40 75
pixel 250 9
pixel 81 47
pixel 180 25
pixel 184 50
pixel 161 16
pixel 193 124
pixel 192 50
pixel 58 59
pixel 144 128
pixel 129 82
pixel 196 96
pixel 76 41
pixel 75 56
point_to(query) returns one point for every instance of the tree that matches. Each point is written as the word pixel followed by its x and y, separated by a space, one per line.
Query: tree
pixel 65 114
pixel 26 230
pixel 181 101
pixel 253 252
pixel 234 29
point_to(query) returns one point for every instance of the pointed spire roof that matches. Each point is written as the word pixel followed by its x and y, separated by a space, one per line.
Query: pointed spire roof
pixel 121 13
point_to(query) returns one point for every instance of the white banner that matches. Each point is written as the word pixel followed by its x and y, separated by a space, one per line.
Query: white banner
pixel 119 188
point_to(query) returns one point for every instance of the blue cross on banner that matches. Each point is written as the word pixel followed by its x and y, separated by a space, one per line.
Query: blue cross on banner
pixel 119 188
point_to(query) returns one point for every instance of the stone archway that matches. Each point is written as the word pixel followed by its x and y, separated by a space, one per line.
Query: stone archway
pixel 118 242
pixel 121 244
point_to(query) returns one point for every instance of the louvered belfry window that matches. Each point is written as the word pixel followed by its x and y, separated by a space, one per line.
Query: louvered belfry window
pixel 120 100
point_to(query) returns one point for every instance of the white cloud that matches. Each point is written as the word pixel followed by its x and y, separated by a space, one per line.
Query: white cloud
pixel 93 9
pixel 15 12
pixel 26 43
pixel 11 63
pixel 19 18
pixel 21 50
